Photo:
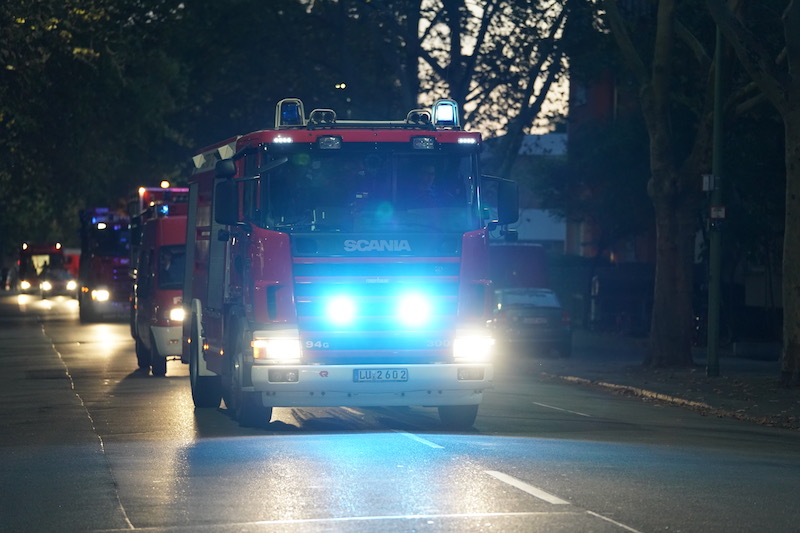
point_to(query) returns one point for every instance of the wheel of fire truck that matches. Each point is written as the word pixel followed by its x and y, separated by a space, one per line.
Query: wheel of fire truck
pixel 458 416
pixel 206 390
pixel 245 406
pixel 142 354
pixel 85 311
pixel 158 362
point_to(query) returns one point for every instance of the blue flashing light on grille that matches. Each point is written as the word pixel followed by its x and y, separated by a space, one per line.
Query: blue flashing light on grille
pixel 414 310
pixel 341 310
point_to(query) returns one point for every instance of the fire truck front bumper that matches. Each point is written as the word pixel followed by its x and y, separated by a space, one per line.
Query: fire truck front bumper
pixel 167 339
pixel 372 385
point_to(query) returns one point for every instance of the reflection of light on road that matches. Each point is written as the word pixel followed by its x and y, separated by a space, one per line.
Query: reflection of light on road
pixel 106 338
pixel 24 300
pixel 30 302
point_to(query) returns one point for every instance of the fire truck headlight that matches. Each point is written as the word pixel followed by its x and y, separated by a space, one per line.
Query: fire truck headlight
pixel 281 350
pixel 46 286
pixel 341 310
pixel 72 285
pixel 176 314
pixel 474 346
pixel 24 285
pixel 100 295
pixel 414 310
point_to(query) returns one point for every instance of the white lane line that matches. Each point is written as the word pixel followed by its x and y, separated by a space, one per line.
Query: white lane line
pixel 560 409
pixel 607 519
pixel 418 439
pixel 530 489
pixel 352 411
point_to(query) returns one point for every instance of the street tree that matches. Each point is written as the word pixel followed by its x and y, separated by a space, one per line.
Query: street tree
pixel 675 168
pixel 777 73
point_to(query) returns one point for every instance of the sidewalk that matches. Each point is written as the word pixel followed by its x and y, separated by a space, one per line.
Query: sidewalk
pixel 747 388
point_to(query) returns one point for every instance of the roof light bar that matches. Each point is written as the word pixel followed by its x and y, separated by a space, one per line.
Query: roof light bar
pixel 289 112
pixel 445 114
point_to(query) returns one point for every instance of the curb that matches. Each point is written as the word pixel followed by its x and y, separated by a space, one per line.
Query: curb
pixel 703 409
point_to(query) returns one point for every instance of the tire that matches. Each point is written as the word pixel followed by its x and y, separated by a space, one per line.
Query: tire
pixel 244 406
pixel 206 390
pixel 85 311
pixel 458 416
pixel 142 355
pixel 157 361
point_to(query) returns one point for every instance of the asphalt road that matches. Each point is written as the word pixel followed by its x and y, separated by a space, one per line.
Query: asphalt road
pixel 90 443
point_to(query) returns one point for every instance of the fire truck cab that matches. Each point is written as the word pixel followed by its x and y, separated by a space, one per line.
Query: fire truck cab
pixel 158 259
pixel 342 263
pixel 104 283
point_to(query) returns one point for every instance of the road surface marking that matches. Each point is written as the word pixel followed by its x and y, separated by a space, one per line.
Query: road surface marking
pixel 530 489
pixel 607 519
pixel 352 411
pixel 418 439
pixel 560 409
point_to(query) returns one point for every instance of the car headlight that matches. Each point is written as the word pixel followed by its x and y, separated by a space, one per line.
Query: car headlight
pixel 282 346
pixel 473 346
pixel 72 285
pixel 46 286
pixel 176 314
pixel 101 295
pixel 24 285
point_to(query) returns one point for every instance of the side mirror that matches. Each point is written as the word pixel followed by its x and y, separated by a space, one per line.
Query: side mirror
pixel 225 169
pixel 507 202
pixel 226 202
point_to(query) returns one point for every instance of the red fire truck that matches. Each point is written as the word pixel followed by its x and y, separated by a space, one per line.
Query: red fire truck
pixel 35 261
pixel 342 263
pixel 157 310
pixel 104 283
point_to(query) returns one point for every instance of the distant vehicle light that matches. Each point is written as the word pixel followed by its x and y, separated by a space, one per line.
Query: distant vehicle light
pixel 46 286
pixel 283 140
pixel 100 295
pixel 72 285
pixel 467 140
pixel 24 285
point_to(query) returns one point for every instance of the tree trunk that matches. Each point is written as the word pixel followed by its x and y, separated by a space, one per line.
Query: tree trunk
pixel 790 360
pixel 670 329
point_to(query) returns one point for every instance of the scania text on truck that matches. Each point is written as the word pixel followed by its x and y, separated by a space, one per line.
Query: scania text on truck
pixel 104 284
pixel 157 296
pixel 342 263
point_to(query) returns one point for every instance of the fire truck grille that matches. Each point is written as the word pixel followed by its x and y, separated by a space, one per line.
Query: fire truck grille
pixel 378 309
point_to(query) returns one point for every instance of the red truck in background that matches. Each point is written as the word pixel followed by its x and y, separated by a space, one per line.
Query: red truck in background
pixel 342 263
pixel 157 310
pixel 104 283
pixel 36 263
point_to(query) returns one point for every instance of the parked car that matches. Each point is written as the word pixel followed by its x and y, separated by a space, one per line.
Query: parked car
pixel 57 281
pixel 532 318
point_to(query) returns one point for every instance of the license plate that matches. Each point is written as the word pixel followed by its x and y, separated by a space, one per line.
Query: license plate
pixel 380 374
pixel 534 320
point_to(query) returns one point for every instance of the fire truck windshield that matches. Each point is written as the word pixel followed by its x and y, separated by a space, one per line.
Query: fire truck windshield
pixel 374 190
pixel 110 241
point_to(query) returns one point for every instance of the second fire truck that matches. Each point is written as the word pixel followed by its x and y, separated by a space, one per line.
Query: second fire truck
pixel 342 263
